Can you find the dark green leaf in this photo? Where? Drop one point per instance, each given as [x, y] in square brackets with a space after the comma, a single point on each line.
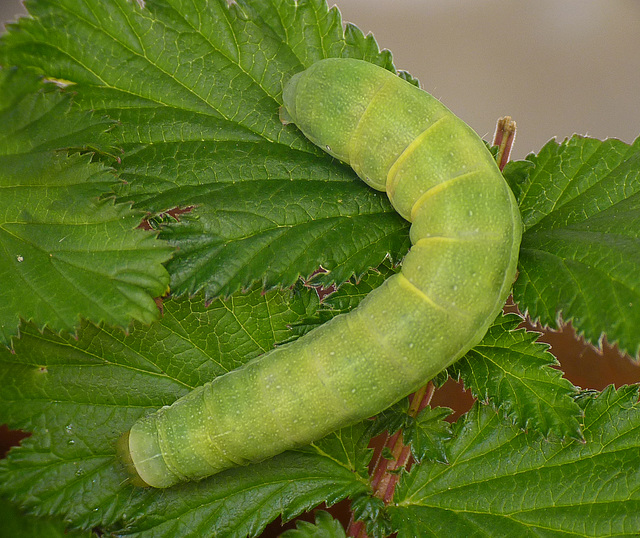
[580, 254]
[65, 252]
[346, 297]
[391, 419]
[325, 527]
[347, 446]
[18, 525]
[503, 482]
[196, 87]
[426, 433]
[515, 373]
[371, 510]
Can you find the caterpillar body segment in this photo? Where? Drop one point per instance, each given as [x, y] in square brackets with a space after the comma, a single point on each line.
[465, 234]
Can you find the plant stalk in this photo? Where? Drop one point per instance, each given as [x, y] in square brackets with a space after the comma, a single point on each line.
[386, 472]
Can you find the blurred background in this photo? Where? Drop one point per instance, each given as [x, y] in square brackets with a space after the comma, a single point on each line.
[558, 67]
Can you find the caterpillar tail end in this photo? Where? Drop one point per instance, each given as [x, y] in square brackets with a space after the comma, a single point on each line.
[124, 456]
[139, 450]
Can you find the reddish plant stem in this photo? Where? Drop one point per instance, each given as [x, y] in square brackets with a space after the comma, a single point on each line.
[401, 453]
[385, 475]
[356, 529]
[504, 138]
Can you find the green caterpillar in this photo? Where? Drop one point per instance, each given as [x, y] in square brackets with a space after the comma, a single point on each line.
[465, 232]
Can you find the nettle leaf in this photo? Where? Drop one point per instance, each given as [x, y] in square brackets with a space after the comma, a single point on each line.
[196, 87]
[348, 446]
[580, 204]
[515, 373]
[372, 511]
[348, 296]
[66, 252]
[345, 298]
[503, 482]
[17, 525]
[77, 396]
[325, 527]
[426, 433]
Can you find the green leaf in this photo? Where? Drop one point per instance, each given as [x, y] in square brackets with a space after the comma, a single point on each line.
[196, 87]
[348, 447]
[371, 510]
[516, 374]
[242, 501]
[426, 433]
[78, 395]
[580, 254]
[65, 251]
[345, 298]
[348, 296]
[18, 525]
[325, 527]
[503, 482]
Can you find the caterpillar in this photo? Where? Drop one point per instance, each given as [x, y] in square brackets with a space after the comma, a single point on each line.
[465, 236]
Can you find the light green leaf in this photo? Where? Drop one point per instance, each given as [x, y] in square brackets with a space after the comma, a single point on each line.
[580, 254]
[78, 396]
[325, 527]
[196, 87]
[515, 373]
[503, 482]
[65, 252]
